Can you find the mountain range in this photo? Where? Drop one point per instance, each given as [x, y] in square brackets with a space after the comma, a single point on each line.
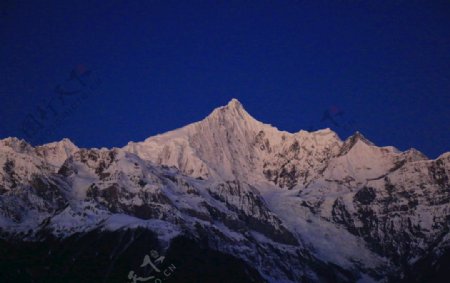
[225, 199]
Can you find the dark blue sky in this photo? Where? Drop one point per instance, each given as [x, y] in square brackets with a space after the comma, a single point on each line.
[162, 64]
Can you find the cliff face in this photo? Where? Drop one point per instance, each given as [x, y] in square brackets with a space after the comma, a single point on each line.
[286, 207]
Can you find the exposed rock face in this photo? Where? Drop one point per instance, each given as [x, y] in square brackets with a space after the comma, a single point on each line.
[302, 207]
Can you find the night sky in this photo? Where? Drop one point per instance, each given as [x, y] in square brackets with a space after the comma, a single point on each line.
[103, 73]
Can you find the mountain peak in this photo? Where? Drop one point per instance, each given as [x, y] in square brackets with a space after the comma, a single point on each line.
[233, 106]
[16, 144]
[357, 136]
[64, 145]
[353, 140]
[234, 103]
[232, 111]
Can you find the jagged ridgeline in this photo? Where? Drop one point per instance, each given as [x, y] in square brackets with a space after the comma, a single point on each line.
[226, 199]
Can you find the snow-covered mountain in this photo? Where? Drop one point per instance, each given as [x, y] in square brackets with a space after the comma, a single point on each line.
[278, 206]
